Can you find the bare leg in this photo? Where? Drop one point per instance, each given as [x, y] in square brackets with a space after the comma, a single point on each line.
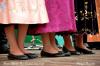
[53, 42]
[68, 44]
[21, 37]
[47, 47]
[10, 34]
[79, 41]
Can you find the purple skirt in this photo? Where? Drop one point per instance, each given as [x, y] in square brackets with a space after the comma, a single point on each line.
[61, 18]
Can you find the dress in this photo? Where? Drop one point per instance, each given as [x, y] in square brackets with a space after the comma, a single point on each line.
[61, 17]
[23, 12]
[86, 16]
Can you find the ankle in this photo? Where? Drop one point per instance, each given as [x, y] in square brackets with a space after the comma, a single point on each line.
[56, 48]
[50, 50]
[81, 46]
[25, 51]
[16, 52]
[70, 48]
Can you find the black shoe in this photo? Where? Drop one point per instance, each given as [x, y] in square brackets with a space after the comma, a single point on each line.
[46, 54]
[74, 52]
[84, 51]
[31, 55]
[70, 52]
[65, 54]
[17, 57]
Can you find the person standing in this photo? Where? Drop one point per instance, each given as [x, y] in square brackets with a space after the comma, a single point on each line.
[62, 19]
[22, 13]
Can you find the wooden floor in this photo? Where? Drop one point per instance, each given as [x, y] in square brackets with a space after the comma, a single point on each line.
[82, 60]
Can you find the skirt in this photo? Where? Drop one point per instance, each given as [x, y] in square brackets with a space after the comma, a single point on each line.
[23, 12]
[86, 16]
[61, 17]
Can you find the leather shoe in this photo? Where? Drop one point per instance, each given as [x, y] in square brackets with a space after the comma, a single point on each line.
[31, 55]
[17, 57]
[84, 51]
[70, 52]
[65, 54]
[47, 54]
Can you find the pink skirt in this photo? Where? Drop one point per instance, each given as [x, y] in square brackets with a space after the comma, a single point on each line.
[23, 12]
[61, 17]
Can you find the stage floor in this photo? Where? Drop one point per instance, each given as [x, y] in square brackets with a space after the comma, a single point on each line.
[81, 60]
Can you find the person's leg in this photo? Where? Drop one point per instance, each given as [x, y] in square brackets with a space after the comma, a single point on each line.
[10, 34]
[80, 45]
[22, 31]
[68, 43]
[79, 41]
[68, 46]
[47, 47]
[21, 37]
[53, 42]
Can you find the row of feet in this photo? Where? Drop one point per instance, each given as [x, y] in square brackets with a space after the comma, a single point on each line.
[63, 53]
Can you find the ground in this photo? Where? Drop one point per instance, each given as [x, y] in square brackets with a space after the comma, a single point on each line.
[81, 60]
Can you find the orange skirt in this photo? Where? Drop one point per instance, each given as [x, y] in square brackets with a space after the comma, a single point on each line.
[96, 38]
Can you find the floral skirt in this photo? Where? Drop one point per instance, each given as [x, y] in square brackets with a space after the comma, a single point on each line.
[86, 16]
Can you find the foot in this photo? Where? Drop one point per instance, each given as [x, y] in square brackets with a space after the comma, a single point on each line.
[29, 54]
[16, 52]
[17, 57]
[26, 51]
[84, 47]
[71, 52]
[70, 48]
[84, 50]
[58, 49]
[47, 54]
[50, 49]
